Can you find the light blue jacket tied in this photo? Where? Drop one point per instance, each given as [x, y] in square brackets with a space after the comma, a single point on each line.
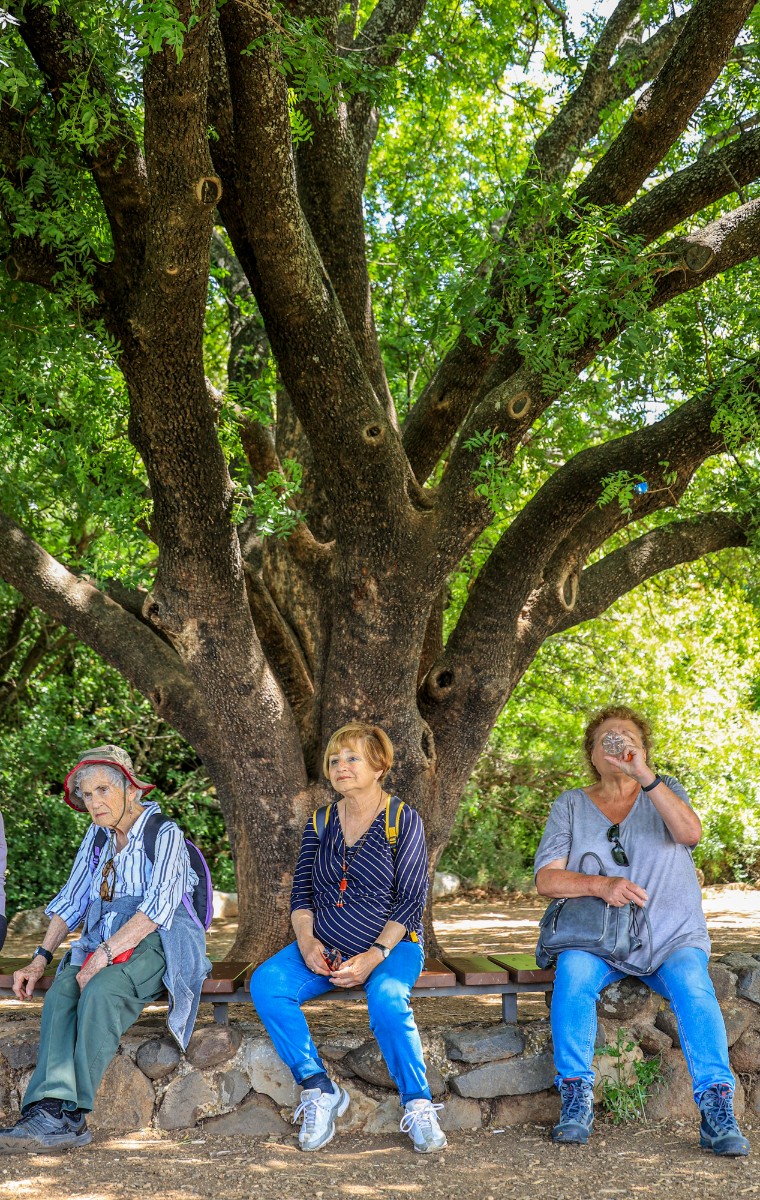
[184, 946]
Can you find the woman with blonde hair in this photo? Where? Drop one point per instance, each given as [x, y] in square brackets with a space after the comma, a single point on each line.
[358, 896]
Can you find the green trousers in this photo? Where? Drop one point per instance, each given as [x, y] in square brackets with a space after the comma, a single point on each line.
[81, 1029]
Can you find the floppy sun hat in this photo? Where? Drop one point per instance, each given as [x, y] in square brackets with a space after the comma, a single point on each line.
[102, 756]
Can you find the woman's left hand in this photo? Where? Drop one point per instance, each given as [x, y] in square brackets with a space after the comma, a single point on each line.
[354, 971]
[632, 761]
[95, 964]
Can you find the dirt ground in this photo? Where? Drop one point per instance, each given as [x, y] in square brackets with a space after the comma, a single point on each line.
[627, 1161]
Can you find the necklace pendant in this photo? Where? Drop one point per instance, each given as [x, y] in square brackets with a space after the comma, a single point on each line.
[343, 884]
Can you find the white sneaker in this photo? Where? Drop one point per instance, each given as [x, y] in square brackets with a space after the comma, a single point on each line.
[318, 1111]
[421, 1123]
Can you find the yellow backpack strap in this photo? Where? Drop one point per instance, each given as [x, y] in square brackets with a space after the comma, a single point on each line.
[392, 813]
[320, 818]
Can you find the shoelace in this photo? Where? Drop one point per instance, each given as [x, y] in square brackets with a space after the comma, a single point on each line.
[308, 1110]
[718, 1107]
[575, 1106]
[419, 1116]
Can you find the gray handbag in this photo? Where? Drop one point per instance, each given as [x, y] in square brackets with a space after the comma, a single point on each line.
[589, 923]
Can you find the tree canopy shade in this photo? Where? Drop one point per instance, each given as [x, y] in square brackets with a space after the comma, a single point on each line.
[393, 299]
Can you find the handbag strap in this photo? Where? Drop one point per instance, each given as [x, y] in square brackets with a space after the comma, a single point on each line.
[592, 854]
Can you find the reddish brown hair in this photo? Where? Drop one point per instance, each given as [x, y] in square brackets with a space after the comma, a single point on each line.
[615, 712]
[373, 741]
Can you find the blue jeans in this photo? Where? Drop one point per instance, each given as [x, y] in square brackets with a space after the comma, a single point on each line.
[281, 984]
[682, 979]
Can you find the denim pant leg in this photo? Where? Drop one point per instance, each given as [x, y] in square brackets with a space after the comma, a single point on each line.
[392, 1021]
[579, 979]
[278, 988]
[683, 980]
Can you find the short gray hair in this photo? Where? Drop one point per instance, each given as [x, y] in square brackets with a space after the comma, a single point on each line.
[113, 774]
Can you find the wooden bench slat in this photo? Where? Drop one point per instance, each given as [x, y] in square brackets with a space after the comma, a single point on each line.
[9, 965]
[523, 968]
[434, 975]
[226, 977]
[475, 969]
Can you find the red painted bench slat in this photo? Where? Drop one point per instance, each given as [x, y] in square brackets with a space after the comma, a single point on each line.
[475, 970]
[523, 968]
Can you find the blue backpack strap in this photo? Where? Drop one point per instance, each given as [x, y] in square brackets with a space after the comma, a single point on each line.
[199, 903]
[150, 833]
[319, 819]
[99, 843]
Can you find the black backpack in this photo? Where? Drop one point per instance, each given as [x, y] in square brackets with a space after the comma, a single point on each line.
[200, 903]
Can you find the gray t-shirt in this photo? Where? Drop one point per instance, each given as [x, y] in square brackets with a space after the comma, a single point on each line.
[658, 864]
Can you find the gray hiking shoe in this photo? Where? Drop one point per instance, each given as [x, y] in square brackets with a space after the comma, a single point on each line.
[421, 1123]
[42, 1129]
[577, 1116]
[318, 1111]
[718, 1130]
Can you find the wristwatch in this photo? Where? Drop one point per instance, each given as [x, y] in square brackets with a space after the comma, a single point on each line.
[651, 786]
[384, 950]
[46, 954]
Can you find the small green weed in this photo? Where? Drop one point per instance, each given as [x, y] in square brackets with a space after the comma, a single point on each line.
[624, 1098]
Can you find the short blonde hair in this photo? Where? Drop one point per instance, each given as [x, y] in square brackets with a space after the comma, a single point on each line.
[374, 742]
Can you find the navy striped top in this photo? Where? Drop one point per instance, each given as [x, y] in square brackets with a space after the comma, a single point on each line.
[376, 892]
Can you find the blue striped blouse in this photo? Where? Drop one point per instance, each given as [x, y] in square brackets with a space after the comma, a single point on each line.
[379, 889]
[161, 884]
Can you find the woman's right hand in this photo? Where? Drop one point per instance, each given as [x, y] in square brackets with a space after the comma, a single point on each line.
[26, 978]
[618, 891]
[313, 954]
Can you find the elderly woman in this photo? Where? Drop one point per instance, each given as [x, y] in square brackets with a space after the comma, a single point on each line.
[356, 910]
[138, 939]
[644, 826]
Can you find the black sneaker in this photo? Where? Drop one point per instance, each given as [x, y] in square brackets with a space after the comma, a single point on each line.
[577, 1116]
[45, 1127]
[719, 1131]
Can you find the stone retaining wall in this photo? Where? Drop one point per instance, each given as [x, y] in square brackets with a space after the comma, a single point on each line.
[487, 1075]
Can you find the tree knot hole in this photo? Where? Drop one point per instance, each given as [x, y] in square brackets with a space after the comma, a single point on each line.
[173, 270]
[568, 589]
[519, 405]
[208, 190]
[444, 680]
[373, 434]
[12, 267]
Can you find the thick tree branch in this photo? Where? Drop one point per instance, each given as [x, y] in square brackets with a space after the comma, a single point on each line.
[511, 408]
[98, 621]
[619, 572]
[280, 646]
[663, 112]
[727, 242]
[320, 366]
[691, 189]
[557, 147]
[330, 183]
